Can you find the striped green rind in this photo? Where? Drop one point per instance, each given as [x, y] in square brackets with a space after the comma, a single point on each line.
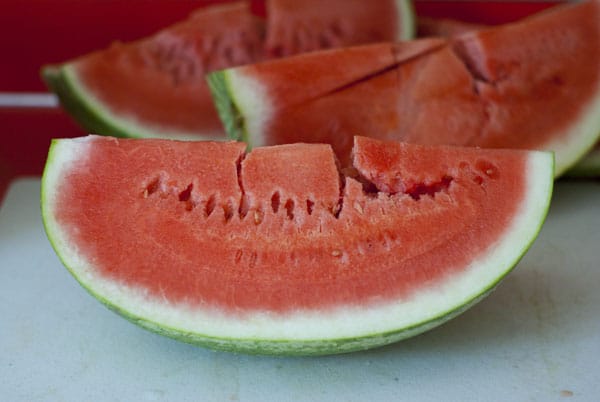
[407, 17]
[76, 105]
[228, 110]
[293, 347]
[96, 117]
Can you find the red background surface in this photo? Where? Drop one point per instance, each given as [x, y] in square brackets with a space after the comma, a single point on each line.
[37, 32]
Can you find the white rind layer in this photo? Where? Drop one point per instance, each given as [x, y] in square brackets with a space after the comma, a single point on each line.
[252, 99]
[342, 329]
[131, 125]
[579, 138]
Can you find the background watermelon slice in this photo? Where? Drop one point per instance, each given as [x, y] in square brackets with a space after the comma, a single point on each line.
[295, 27]
[588, 166]
[277, 251]
[155, 87]
[533, 84]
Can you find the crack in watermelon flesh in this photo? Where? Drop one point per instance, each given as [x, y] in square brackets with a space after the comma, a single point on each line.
[533, 84]
[208, 225]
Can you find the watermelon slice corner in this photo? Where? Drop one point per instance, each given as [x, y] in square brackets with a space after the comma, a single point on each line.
[276, 251]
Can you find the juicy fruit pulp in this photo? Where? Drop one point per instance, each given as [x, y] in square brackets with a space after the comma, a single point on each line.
[534, 84]
[155, 87]
[277, 250]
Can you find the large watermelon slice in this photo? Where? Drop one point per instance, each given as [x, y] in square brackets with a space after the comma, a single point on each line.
[278, 251]
[155, 87]
[534, 84]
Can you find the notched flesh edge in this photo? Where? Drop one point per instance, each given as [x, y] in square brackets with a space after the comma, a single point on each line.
[157, 187]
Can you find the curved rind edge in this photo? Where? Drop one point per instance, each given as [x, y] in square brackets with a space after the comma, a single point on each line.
[537, 205]
[94, 117]
[78, 109]
[407, 18]
[245, 105]
[580, 137]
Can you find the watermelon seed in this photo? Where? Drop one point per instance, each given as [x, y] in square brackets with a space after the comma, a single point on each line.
[488, 168]
[258, 216]
[309, 206]
[289, 207]
[336, 253]
[228, 211]
[210, 206]
[358, 208]
[275, 202]
[184, 196]
[238, 256]
[152, 187]
[253, 258]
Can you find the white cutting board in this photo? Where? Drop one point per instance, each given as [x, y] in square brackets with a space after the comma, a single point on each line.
[536, 338]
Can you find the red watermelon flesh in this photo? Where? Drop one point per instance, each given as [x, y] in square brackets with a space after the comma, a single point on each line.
[533, 84]
[157, 84]
[280, 244]
[589, 166]
[292, 27]
[155, 87]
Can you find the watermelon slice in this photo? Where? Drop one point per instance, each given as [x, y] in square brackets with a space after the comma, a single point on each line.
[534, 84]
[278, 251]
[155, 87]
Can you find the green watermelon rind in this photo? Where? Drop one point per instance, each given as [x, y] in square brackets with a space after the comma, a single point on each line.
[93, 116]
[244, 107]
[227, 109]
[242, 104]
[406, 12]
[536, 210]
[77, 106]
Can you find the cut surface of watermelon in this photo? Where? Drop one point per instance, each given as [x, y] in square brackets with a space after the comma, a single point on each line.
[295, 27]
[278, 251]
[533, 84]
[155, 87]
